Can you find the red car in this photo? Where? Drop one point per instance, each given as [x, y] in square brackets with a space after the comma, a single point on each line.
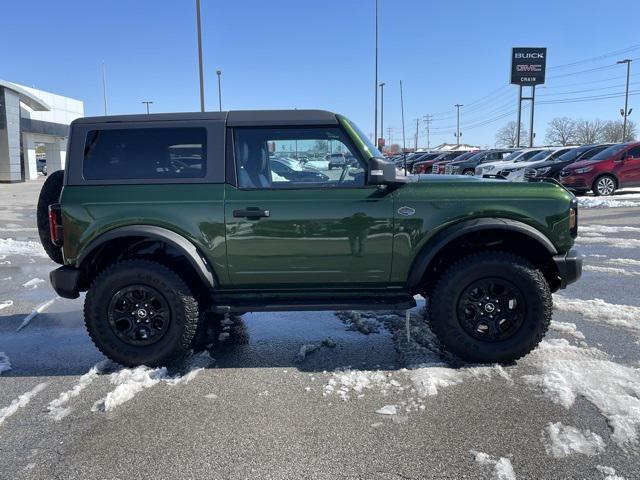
[438, 167]
[615, 167]
[425, 166]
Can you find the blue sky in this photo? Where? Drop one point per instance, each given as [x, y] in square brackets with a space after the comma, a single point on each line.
[319, 54]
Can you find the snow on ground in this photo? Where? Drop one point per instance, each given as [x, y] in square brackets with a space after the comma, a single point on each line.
[606, 229]
[9, 246]
[20, 402]
[356, 322]
[5, 365]
[609, 270]
[566, 328]
[609, 472]
[502, 468]
[33, 283]
[39, 309]
[604, 202]
[194, 366]
[568, 371]
[347, 382]
[308, 348]
[6, 303]
[598, 239]
[598, 310]
[128, 383]
[429, 378]
[57, 408]
[562, 440]
[388, 410]
[624, 261]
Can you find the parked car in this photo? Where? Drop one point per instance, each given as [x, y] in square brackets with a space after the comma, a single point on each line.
[41, 165]
[544, 169]
[491, 169]
[416, 157]
[337, 160]
[515, 171]
[293, 171]
[439, 166]
[467, 166]
[189, 246]
[615, 167]
[424, 164]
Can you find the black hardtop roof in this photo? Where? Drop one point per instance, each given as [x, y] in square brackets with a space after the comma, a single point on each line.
[233, 118]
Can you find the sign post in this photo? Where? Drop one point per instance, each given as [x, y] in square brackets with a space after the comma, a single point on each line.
[528, 68]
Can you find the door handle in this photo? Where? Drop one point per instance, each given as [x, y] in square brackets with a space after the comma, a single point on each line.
[252, 213]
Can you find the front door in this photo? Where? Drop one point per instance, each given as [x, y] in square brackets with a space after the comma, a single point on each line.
[304, 224]
[629, 168]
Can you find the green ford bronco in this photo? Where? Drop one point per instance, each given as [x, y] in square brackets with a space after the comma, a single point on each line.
[169, 221]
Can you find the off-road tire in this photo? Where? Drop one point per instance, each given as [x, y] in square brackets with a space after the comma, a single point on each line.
[184, 313]
[598, 190]
[443, 304]
[50, 193]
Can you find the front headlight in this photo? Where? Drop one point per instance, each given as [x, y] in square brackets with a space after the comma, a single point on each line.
[583, 170]
[542, 171]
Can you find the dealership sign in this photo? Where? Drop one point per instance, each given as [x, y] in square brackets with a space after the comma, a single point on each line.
[528, 65]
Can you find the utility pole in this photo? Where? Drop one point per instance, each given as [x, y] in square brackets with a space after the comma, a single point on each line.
[417, 133]
[427, 119]
[199, 28]
[219, 73]
[458, 105]
[147, 103]
[390, 135]
[533, 104]
[627, 111]
[404, 141]
[104, 88]
[375, 84]
[382, 108]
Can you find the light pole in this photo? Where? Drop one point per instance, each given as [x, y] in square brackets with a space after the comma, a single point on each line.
[458, 105]
[147, 103]
[427, 120]
[104, 87]
[626, 112]
[381, 109]
[375, 84]
[219, 73]
[199, 28]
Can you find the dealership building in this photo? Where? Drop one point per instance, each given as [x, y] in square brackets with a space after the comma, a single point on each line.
[30, 118]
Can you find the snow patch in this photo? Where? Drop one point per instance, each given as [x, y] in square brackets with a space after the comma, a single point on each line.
[5, 304]
[609, 241]
[347, 381]
[607, 229]
[428, 379]
[609, 472]
[20, 402]
[57, 409]
[567, 371]
[624, 261]
[195, 365]
[5, 365]
[598, 310]
[566, 328]
[388, 410]
[358, 322]
[33, 283]
[502, 468]
[9, 246]
[39, 309]
[308, 348]
[128, 383]
[561, 441]
[604, 202]
[609, 270]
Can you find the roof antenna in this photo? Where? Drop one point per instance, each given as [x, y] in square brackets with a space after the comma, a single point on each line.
[404, 143]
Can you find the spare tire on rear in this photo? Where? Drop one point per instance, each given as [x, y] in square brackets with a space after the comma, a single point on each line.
[49, 194]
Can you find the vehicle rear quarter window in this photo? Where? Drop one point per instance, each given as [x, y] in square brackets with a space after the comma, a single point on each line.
[145, 153]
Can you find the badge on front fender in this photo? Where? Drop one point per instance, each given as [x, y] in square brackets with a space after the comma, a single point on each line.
[406, 211]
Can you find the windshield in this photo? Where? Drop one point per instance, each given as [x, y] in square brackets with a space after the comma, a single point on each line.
[368, 143]
[572, 154]
[512, 156]
[533, 156]
[607, 152]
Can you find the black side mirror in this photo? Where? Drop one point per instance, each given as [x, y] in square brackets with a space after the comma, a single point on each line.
[381, 172]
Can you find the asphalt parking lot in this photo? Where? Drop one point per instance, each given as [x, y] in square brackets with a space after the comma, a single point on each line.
[324, 395]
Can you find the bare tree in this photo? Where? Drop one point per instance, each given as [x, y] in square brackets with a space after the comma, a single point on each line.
[561, 131]
[508, 135]
[588, 131]
[612, 131]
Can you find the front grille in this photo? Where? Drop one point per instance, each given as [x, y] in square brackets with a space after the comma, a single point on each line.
[448, 169]
[530, 173]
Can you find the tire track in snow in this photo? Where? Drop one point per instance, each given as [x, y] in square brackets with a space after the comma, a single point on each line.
[20, 402]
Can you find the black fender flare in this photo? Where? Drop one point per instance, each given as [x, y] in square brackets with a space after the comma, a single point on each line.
[435, 244]
[190, 251]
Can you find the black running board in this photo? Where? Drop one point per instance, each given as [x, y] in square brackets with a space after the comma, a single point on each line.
[400, 302]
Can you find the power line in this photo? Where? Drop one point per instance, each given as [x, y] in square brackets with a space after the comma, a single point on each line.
[596, 58]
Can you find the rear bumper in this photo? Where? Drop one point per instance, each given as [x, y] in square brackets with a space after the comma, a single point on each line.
[66, 281]
[569, 267]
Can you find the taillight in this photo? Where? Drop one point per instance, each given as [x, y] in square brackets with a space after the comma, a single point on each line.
[55, 224]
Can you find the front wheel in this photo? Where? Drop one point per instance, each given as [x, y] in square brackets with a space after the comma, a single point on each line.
[139, 312]
[469, 172]
[604, 185]
[490, 307]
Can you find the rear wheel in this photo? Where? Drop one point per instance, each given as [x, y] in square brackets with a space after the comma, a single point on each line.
[50, 193]
[468, 172]
[490, 307]
[139, 312]
[605, 185]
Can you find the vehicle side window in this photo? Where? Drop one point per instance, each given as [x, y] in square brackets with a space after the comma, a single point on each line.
[145, 153]
[634, 152]
[268, 158]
